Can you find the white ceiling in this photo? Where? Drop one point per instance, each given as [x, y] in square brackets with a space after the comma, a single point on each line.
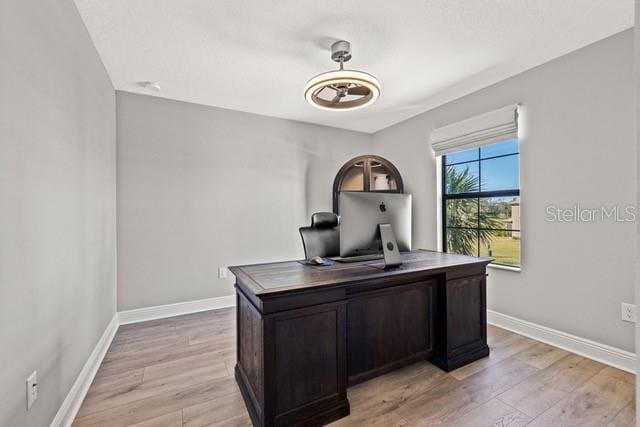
[256, 56]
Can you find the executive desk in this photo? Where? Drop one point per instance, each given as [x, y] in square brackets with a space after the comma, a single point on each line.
[306, 333]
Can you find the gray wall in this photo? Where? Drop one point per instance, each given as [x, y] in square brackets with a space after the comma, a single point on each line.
[57, 204]
[577, 147]
[202, 187]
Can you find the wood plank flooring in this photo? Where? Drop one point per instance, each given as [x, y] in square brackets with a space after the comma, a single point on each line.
[179, 372]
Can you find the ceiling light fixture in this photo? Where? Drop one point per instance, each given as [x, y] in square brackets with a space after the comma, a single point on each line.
[342, 89]
[149, 85]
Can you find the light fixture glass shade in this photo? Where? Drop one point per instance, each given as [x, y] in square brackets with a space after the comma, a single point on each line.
[342, 90]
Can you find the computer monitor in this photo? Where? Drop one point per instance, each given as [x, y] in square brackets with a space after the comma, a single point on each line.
[361, 215]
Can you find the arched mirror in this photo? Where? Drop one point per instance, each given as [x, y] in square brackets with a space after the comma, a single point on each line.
[366, 173]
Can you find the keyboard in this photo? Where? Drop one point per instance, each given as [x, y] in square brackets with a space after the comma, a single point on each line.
[359, 258]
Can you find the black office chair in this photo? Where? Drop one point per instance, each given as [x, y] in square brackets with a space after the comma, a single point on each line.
[322, 238]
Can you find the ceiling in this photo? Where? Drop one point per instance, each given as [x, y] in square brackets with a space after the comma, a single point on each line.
[256, 56]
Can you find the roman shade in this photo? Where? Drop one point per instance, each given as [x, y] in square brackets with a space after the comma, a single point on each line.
[487, 128]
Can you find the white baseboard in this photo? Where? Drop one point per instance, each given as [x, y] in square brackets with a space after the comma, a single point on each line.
[604, 353]
[72, 402]
[169, 310]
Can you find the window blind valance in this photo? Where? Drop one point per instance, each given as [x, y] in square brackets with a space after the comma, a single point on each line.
[487, 128]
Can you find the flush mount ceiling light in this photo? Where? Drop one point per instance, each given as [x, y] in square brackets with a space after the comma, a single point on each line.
[342, 89]
[149, 85]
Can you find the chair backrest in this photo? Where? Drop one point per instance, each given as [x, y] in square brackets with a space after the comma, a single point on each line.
[322, 238]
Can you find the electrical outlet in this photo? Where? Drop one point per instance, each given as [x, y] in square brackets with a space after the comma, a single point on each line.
[628, 312]
[32, 389]
[222, 273]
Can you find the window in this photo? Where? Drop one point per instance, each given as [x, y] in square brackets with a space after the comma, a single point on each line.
[481, 202]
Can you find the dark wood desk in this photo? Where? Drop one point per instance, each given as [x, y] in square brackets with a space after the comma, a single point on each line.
[306, 333]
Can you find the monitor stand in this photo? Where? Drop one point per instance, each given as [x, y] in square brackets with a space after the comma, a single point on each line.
[390, 252]
[389, 246]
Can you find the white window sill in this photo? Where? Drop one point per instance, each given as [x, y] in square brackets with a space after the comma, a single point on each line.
[504, 267]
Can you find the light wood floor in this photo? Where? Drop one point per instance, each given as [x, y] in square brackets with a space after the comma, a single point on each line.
[179, 371]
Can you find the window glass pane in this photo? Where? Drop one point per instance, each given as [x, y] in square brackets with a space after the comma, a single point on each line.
[462, 241]
[462, 178]
[462, 213]
[500, 212]
[502, 173]
[499, 149]
[461, 156]
[503, 247]
[486, 226]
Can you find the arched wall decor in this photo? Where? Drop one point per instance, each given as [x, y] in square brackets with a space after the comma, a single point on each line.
[366, 173]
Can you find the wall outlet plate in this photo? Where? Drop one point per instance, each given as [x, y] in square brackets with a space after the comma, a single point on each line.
[222, 273]
[32, 389]
[628, 312]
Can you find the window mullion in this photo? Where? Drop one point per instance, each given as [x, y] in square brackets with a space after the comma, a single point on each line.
[483, 195]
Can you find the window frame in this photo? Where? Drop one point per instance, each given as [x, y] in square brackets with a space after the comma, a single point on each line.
[477, 195]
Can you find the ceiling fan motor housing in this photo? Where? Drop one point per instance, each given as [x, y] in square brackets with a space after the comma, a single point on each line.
[341, 51]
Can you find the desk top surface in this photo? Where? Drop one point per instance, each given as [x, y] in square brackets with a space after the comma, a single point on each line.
[279, 277]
